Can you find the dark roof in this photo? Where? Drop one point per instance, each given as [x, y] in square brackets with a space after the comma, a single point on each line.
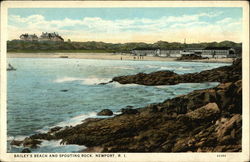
[217, 48]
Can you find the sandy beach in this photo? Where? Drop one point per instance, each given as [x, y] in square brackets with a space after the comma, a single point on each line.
[107, 56]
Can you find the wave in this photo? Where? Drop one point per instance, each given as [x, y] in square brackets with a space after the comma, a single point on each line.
[169, 67]
[85, 81]
[162, 86]
[118, 85]
[124, 67]
[152, 66]
[54, 143]
[175, 68]
[71, 122]
[74, 121]
[184, 68]
[67, 79]
[166, 68]
[56, 146]
[19, 138]
[95, 81]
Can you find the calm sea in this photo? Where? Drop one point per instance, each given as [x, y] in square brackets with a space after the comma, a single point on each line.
[43, 93]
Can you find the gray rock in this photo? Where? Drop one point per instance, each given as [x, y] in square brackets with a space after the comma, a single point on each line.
[105, 112]
[129, 111]
[26, 150]
[16, 142]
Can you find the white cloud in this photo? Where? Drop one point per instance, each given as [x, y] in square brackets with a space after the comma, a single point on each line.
[172, 28]
[225, 21]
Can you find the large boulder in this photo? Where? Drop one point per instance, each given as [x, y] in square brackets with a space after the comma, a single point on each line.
[26, 150]
[105, 112]
[155, 78]
[45, 136]
[32, 143]
[227, 129]
[229, 96]
[54, 129]
[91, 120]
[16, 142]
[207, 112]
[129, 111]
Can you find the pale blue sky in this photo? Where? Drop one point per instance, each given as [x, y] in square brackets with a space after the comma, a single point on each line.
[124, 13]
[129, 24]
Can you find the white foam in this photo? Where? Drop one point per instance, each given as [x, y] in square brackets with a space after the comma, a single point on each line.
[76, 120]
[85, 81]
[124, 67]
[19, 138]
[152, 66]
[94, 81]
[71, 122]
[166, 68]
[162, 86]
[56, 146]
[53, 143]
[67, 79]
[183, 68]
[118, 85]
[44, 129]
[175, 68]
[117, 113]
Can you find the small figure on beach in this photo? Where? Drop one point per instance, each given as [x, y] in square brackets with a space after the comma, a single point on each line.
[121, 58]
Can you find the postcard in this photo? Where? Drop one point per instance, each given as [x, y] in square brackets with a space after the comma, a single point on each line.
[124, 81]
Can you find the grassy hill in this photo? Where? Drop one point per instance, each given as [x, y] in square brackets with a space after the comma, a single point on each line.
[101, 47]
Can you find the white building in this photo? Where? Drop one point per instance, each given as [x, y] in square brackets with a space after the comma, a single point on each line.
[51, 37]
[145, 52]
[28, 37]
[208, 52]
[170, 53]
[44, 37]
[211, 52]
[218, 52]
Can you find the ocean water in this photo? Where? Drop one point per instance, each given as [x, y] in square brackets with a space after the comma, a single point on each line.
[43, 93]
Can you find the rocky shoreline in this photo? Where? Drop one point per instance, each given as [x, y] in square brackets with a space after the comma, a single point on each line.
[208, 120]
[221, 74]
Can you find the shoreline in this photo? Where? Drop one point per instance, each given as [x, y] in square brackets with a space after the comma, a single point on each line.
[206, 120]
[111, 56]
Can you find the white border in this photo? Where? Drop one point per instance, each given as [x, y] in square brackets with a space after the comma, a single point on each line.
[243, 156]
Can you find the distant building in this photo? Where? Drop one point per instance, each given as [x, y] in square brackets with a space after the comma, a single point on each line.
[218, 52]
[196, 51]
[44, 37]
[156, 52]
[170, 53]
[51, 37]
[29, 37]
[211, 52]
[145, 52]
[208, 52]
